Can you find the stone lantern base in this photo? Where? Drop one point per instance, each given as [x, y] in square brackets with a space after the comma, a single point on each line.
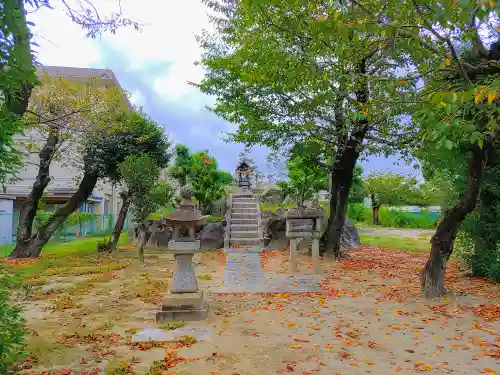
[184, 301]
[182, 307]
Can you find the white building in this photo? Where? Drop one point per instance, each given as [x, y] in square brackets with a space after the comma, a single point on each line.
[104, 199]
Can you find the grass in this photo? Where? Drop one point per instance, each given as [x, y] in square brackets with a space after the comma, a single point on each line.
[172, 325]
[417, 245]
[43, 351]
[77, 257]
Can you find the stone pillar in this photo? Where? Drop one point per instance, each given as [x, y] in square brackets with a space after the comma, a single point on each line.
[315, 255]
[315, 245]
[293, 255]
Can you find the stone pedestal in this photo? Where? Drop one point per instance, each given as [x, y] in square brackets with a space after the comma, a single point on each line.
[182, 307]
[184, 278]
[184, 301]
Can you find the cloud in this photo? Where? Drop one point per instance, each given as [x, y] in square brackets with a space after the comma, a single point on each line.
[154, 66]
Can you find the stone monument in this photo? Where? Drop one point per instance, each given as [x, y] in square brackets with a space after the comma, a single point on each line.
[300, 224]
[184, 301]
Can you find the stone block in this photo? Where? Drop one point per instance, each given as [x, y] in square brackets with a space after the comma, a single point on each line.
[181, 315]
[179, 246]
[183, 301]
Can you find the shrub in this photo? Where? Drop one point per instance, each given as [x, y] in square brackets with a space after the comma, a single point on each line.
[358, 212]
[390, 217]
[11, 325]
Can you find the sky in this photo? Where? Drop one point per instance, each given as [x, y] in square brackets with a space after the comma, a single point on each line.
[154, 65]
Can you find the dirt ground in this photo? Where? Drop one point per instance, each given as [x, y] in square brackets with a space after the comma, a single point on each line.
[370, 320]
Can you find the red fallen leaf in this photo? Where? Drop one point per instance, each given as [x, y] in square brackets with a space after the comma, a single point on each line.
[302, 340]
[410, 350]
[83, 361]
[290, 367]
[345, 355]
[135, 360]
[372, 344]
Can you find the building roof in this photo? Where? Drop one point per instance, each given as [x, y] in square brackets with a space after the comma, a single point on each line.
[80, 74]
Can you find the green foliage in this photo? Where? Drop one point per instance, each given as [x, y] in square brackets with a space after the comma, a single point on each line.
[11, 325]
[304, 179]
[392, 217]
[357, 193]
[136, 134]
[17, 73]
[207, 181]
[182, 164]
[358, 212]
[478, 242]
[140, 175]
[389, 188]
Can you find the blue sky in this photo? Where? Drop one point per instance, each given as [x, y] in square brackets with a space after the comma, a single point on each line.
[154, 66]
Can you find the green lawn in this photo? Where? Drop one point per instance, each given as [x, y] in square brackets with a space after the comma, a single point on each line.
[75, 257]
[395, 242]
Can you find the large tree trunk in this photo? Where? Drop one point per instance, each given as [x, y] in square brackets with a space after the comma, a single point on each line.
[343, 170]
[120, 221]
[43, 235]
[30, 205]
[340, 183]
[432, 275]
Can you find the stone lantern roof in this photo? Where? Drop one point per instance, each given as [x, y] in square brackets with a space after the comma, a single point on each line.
[186, 213]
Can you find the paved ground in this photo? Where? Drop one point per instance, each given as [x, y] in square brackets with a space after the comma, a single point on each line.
[410, 233]
[368, 318]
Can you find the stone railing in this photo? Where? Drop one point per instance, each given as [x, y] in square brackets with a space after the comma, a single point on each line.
[227, 234]
[260, 231]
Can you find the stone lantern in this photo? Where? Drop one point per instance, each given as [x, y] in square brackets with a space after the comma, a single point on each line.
[301, 224]
[184, 301]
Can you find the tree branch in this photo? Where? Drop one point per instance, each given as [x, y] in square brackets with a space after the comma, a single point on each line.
[446, 40]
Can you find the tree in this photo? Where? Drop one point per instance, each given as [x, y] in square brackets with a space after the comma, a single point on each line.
[102, 154]
[207, 181]
[58, 117]
[140, 176]
[389, 188]
[17, 62]
[182, 164]
[304, 179]
[161, 156]
[357, 193]
[457, 109]
[319, 80]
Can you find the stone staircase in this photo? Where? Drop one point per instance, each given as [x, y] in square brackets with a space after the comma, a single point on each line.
[244, 220]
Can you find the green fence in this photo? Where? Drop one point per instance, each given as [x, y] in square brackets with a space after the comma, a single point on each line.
[76, 226]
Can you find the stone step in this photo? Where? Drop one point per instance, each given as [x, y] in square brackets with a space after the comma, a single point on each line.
[244, 195]
[244, 227]
[244, 234]
[244, 241]
[237, 215]
[243, 211]
[244, 221]
[252, 205]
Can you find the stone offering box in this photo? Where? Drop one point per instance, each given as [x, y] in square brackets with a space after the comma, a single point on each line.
[301, 224]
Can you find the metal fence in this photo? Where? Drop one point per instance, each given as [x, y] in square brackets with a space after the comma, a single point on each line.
[96, 225]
